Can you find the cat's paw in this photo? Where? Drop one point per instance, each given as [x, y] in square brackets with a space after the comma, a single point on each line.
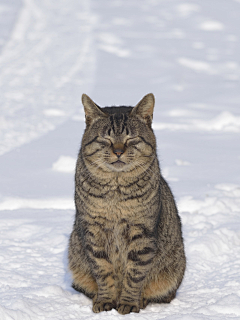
[100, 306]
[126, 308]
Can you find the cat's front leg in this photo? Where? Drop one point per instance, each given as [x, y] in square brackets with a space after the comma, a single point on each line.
[102, 270]
[139, 262]
[106, 298]
[130, 296]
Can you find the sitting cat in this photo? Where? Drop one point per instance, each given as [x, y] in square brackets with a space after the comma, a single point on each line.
[126, 248]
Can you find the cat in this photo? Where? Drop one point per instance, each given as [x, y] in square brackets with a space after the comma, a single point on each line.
[126, 248]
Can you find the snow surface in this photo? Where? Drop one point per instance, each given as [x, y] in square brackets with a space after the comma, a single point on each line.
[188, 54]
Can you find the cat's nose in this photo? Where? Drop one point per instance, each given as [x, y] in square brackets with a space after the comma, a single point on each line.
[118, 150]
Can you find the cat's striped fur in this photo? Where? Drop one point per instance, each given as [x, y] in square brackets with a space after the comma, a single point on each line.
[126, 247]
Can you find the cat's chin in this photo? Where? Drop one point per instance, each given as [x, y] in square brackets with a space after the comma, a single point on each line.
[118, 165]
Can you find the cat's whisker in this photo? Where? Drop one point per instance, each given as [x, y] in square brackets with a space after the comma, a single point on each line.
[86, 172]
[145, 169]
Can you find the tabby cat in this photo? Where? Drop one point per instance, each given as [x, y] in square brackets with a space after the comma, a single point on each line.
[126, 248]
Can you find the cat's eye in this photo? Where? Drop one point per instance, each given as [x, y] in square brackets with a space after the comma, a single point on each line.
[127, 131]
[109, 132]
[104, 142]
[132, 141]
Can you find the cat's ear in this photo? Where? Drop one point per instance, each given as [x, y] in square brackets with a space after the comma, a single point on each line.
[92, 110]
[144, 108]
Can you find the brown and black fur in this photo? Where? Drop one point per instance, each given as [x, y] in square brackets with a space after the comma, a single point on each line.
[126, 248]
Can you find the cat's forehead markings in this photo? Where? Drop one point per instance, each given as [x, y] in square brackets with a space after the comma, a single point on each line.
[118, 122]
[118, 117]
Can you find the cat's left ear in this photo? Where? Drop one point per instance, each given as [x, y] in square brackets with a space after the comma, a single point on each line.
[144, 108]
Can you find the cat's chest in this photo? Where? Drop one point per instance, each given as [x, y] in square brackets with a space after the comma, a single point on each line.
[117, 210]
[116, 243]
[115, 200]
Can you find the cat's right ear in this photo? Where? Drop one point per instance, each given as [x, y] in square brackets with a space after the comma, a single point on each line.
[92, 110]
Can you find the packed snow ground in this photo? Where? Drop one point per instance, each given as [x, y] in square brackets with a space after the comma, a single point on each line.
[188, 54]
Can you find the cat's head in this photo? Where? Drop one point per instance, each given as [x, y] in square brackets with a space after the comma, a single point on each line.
[119, 139]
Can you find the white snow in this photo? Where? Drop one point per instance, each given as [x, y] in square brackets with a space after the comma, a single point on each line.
[19, 203]
[211, 26]
[53, 113]
[187, 53]
[225, 121]
[199, 66]
[180, 162]
[65, 164]
[186, 9]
